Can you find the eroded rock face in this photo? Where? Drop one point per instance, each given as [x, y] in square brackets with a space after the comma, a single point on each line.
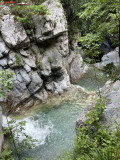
[13, 33]
[39, 68]
[50, 26]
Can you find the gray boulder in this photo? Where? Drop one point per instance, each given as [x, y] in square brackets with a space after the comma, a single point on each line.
[6, 10]
[25, 77]
[36, 83]
[105, 47]
[13, 33]
[3, 62]
[111, 113]
[75, 68]
[3, 48]
[45, 68]
[62, 85]
[112, 109]
[41, 95]
[30, 61]
[20, 91]
[111, 57]
[27, 68]
[49, 26]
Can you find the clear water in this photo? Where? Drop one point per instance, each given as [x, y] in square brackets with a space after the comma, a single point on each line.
[53, 125]
[91, 82]
[54, 128]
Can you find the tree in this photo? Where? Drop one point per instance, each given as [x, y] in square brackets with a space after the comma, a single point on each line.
[104, 23]
[75, 24]
[14, 130]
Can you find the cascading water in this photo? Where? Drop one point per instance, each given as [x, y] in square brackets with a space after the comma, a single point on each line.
[53, 124]
[53, 128]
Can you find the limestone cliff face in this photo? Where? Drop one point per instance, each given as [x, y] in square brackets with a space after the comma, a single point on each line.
[42, 63]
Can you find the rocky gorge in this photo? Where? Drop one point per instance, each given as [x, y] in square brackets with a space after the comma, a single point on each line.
[44, 64]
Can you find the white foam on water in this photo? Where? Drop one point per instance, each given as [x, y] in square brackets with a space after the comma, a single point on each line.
[4, 123]
[34, 129]
[40, 133]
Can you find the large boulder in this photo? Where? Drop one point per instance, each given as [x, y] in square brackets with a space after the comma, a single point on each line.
[13, 33]
[111, 57]
[50, 26]
[3, 62]
[76, 68]
[105, 47]
[111, 113]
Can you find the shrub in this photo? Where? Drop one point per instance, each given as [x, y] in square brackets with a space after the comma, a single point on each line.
[24, 14]
[50, 60]
[19, 62]
[39, 64]
[112, 71]
[93, 141]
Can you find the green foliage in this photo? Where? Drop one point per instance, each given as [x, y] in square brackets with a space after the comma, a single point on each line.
[15, 131]
[6, 82]
[75, 25]
[6, 155]
[37, 2]
[39, 64]
[103, 18]
[28, 31]
[112, 71]
[59, 6]
[93, 141]
[28, 158]
[42, 51]
[50, 60]
[24, 14]
[63, 62]
[18, 60]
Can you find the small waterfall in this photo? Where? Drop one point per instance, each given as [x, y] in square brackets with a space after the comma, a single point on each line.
[34, 128]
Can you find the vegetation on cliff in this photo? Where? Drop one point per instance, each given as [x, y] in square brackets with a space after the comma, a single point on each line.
[94, 141]
[96, 21]
[14, 130]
